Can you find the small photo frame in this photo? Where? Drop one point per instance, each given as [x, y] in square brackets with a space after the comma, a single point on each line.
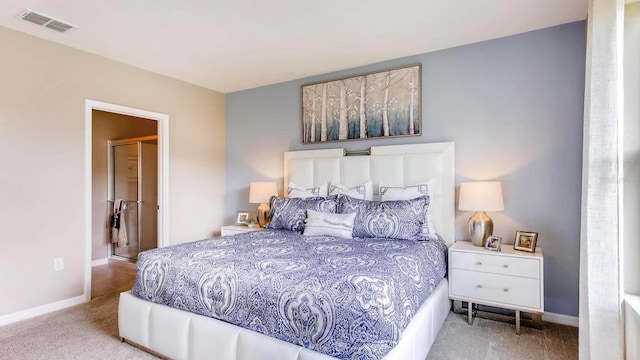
[242, 217]
[525, 241]
[493, 243]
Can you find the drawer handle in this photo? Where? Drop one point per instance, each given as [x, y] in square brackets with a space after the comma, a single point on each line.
[480, 287]
[479, 263]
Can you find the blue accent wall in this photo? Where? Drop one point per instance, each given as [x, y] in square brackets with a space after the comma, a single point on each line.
[514, 108]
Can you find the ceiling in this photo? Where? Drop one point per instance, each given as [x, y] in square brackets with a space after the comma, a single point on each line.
[231, 45]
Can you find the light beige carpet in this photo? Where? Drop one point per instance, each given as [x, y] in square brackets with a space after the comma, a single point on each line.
[90, 331]
[87, 331]
[495, 340]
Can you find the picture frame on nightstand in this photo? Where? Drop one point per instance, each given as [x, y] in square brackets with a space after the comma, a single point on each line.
[525, 241]
[242, 217]
[493, 243]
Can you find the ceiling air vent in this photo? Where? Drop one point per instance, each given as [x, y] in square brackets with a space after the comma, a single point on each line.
[58, 26]
[46, 21]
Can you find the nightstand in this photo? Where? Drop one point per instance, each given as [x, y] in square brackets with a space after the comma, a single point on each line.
[508, 279]
[237, 229]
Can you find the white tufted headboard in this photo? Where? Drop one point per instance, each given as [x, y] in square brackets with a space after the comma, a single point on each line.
[399, 165]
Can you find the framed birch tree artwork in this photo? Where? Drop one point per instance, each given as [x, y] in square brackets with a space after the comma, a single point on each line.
[376, 105]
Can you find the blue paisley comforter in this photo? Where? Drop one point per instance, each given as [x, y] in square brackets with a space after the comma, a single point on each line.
[347, 298]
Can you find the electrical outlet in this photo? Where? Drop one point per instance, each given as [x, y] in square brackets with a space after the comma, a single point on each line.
[58, 264]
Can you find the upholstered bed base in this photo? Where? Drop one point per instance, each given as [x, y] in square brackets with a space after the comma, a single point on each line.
[178, 334]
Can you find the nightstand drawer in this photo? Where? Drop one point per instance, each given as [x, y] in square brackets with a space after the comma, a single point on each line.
[508, 290]
[496, 264]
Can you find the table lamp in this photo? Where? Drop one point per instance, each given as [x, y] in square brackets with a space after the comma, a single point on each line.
[480, 197]
[260, 193]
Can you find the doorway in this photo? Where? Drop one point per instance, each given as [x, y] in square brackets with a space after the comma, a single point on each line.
[134, 144]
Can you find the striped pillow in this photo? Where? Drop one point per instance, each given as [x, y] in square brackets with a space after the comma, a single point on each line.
[326, 224]
[363, 191]
[294, 191]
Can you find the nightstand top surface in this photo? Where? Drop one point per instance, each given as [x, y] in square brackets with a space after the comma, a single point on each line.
[242, 227]
[507, 250]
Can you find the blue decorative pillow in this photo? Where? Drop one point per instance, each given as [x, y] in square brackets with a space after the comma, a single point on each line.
[400, 219]
[388, 192]
[290, 213]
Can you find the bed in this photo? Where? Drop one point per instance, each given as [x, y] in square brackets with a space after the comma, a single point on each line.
[176, 333]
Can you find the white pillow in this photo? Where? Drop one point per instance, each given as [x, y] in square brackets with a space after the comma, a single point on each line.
[321, 223]
[294, 191]
[389, 192]
[363, 191]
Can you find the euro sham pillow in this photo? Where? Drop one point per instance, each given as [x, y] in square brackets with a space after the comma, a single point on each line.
[401, 219]
[295, 191]
[290, 213]
[390, 193]
[363, 191]
[327, 224]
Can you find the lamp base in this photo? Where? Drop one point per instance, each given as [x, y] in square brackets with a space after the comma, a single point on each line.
[263, 214]
[480, 228]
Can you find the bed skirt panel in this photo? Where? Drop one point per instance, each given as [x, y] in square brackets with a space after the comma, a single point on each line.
[178, 334]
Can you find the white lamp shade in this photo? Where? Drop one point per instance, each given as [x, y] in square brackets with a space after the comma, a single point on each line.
[261, 192]
[481, 196]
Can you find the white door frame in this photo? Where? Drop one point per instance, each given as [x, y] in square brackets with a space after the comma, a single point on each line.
[163, 175]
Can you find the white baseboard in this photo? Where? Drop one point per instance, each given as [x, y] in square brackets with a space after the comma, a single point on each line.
[560, 319]
[41, 310]
[100, 262]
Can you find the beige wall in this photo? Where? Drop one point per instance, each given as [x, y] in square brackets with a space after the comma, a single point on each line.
[108, 126]
[43, 89]
[631, 202]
